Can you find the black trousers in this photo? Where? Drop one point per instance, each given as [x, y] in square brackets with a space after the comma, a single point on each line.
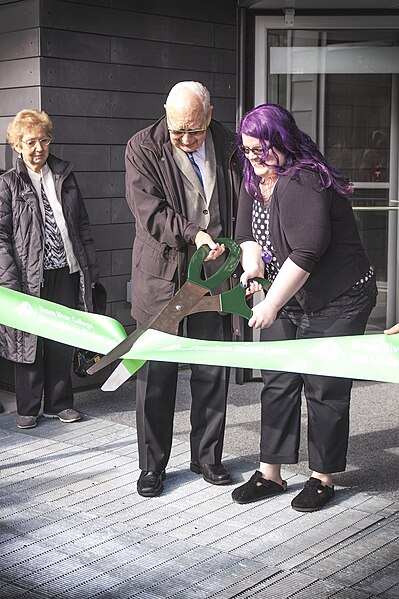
[156, 397]
[328, 398]
[50, 374]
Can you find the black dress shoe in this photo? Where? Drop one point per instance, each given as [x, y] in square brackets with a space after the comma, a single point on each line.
[216, 474]
[150, 483]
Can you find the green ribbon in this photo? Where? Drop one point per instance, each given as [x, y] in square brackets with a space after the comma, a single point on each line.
[368, 357]
[89, 331]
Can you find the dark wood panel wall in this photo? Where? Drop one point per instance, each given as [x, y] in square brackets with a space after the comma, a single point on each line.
[102, 70]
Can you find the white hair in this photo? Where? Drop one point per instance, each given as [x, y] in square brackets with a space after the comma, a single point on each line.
[195, 87]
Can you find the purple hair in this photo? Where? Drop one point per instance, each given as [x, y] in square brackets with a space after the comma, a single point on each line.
[275, 125]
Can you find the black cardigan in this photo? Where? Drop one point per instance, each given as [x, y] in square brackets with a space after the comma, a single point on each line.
[316, 230]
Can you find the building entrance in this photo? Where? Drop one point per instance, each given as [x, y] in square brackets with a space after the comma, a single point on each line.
[340, 80]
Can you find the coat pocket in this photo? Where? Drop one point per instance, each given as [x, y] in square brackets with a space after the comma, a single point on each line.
[159, 262]
[153, 279]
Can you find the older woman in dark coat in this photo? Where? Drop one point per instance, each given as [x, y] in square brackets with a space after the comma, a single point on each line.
[47, 251]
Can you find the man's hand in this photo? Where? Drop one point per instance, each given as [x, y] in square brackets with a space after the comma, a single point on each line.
[392, 330]
[217, 249]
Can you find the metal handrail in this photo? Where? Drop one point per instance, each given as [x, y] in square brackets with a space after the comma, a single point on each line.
[370, 208]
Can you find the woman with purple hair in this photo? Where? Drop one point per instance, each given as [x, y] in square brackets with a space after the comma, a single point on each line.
[295, 226]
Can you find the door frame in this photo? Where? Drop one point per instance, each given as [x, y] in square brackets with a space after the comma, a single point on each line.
[263, 23]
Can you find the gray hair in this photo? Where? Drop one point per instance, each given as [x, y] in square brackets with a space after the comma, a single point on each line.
[194, 86]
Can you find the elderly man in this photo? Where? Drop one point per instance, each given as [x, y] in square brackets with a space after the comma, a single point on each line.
[182, 181]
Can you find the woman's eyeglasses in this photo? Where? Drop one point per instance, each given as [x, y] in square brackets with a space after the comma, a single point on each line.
[45, 141]
[257, 151]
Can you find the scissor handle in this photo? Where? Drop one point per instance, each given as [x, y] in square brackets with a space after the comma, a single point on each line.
[234, 302]
[224, 272]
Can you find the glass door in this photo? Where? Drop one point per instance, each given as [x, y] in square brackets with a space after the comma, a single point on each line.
[341, 86]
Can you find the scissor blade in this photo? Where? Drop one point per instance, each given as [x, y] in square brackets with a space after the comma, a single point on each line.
[117, 352]
[167, 321]
[180, 306]
[121, 374]
[209, 303]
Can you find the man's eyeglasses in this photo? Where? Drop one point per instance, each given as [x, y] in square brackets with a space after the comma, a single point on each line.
[257, 151]
[45, 141]
[181, 132]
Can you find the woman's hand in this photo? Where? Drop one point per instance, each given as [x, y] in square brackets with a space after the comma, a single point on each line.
[263, 315]
[392, 330]
[217, 249]
[252, 286]
[288, 281]
[252, 265]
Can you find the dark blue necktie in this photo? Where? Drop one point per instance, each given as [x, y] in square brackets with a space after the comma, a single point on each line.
[195, 167]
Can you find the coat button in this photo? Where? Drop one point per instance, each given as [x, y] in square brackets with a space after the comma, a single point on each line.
[205, 212]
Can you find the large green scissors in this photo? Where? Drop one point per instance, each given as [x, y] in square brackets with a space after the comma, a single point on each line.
[191, 298]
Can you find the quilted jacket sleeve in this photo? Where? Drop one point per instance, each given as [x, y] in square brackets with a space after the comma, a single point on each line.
[9, 275]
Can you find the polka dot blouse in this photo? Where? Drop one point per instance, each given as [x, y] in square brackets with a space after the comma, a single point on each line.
[261, 233]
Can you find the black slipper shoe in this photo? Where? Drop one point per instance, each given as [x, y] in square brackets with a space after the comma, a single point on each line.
[313, 496]
[257, 488]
